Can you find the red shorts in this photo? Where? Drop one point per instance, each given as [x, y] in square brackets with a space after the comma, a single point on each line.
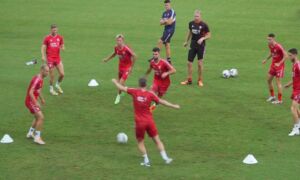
[53, 63]
[279, 73]
[160, 88]
[141, 128]
[32, 107]
[123, 74]
[296, 96]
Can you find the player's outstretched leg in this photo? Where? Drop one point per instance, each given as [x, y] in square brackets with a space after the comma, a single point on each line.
[142, 149]
[294, 111]
[51, 80]
[39, 124]
[61, 72]
[271, 89]
[161, 148]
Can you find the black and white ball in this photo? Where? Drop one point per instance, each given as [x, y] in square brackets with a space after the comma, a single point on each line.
[226, 74]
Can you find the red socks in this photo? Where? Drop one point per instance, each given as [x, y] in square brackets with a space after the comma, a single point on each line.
[272, 92]
[279, 97]
[279, 94]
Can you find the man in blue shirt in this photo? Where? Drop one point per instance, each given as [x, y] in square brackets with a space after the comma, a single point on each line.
[169, 21]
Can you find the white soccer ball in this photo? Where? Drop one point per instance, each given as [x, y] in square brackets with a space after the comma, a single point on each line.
[122, 138]
[233, 72]
[226, 74]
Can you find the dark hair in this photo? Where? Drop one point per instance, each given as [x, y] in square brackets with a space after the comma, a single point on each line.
[167, 1]
[272, 35]
[293, 51]
[142, 82]
[156, 49]
[53, 26]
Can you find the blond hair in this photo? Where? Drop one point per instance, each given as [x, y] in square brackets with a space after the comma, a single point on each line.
[119, 36]
[197, 11]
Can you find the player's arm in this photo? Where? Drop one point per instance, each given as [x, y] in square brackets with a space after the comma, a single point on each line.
[62, 47]
[133, 59]
[169, 21]
[207, 36]
[171, 71]
[265, 60]
[148, 72]
[43, 51]
[288, 84]
[168, 104]
[109, 57]
[119, 86]
[162, 21]
[42, 98]
[188, 38]
[285, 56]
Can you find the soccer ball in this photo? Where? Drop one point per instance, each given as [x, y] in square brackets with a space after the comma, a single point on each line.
[122, 138]
[226, 74]
[233, 72]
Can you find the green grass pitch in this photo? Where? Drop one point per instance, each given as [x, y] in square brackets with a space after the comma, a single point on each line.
[217, 126]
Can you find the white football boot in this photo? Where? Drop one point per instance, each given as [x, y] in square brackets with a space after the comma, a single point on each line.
[59, 89]
[145, 164]
[295, 131]
[30, 135]
[271, 99]
[277, 102]
[39, 140]
[118, 98]
[53, 92]
[168, 161]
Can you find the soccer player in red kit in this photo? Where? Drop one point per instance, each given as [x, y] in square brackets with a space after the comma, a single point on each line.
[127, 59]
[31, 102]
[293, 53]
[162, 71]
[278, 56]
[51, 47]
[144, 122]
